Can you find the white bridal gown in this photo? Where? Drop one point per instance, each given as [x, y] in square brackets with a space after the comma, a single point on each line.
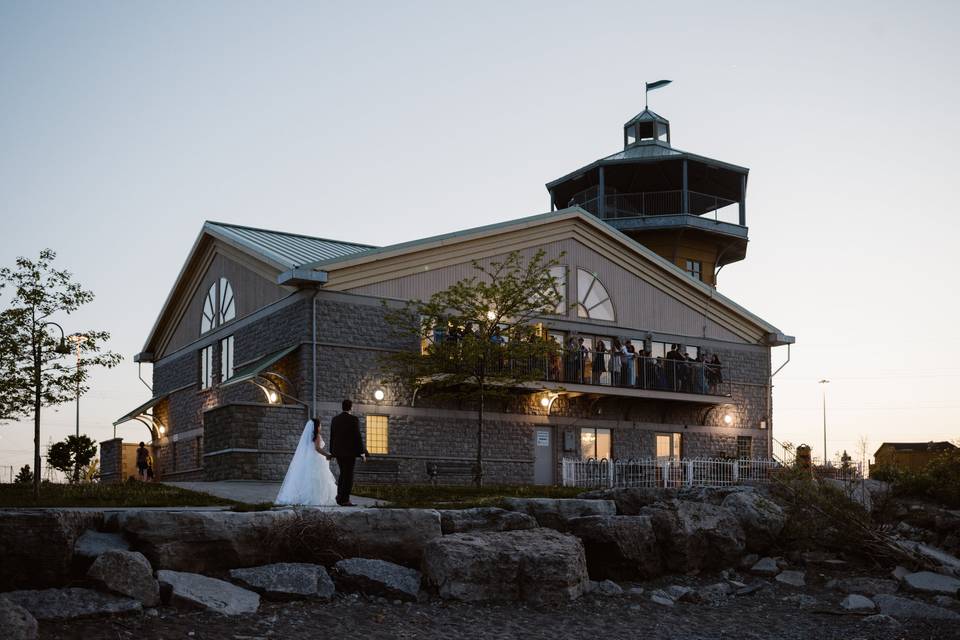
[309, 480]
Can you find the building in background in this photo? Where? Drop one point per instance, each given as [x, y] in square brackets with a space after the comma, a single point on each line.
[258, 319]
[908, 455]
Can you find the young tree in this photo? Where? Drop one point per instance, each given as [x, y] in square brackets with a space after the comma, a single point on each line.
[71, 454]
[24, 476]
[478, 338]
[33, 371]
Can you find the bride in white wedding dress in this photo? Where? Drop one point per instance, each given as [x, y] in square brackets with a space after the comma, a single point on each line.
[309, 480]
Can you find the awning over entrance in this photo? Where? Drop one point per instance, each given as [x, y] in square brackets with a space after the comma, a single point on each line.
[258, 367]
[141, 410]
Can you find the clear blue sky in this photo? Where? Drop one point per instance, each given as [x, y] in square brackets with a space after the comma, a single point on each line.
[124, 125]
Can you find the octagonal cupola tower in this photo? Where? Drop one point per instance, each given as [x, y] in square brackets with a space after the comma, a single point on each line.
[688, 208]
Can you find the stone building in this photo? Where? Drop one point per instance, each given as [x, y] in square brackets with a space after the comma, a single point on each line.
[262, 326]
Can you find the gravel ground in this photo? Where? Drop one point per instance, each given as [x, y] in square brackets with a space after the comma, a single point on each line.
[773, 612]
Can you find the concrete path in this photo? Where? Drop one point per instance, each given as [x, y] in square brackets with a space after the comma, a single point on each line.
[252, 491]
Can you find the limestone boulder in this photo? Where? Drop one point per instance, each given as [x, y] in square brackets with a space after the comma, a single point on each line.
[539, 566]
[202, 592]
[934, 583]
[70, 603]
[36, 547]
[92, 543]
[378, 578]
[694, 535]
[127, 573]
[211, 541]
[792, 578]
[712, 495]
[484, 519]
[286, 581]
[762, 519]
[898, 607]
[857, 602]
[864, 584]
[556, 513]
[17, 623]
[629, 500]
[618, 547]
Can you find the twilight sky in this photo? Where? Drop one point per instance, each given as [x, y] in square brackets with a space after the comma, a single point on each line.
[125, 125]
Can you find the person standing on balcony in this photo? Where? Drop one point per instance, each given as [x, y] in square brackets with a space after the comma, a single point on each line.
[584, 360]
[616, 362]
[631, 363]
[599, 361]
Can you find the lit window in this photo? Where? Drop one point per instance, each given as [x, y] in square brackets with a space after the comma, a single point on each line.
[668, 446]
[206, 367]
[219, 306]
[695, 269]
[377, 434]
[595, 443]
[744, 447]
[592, 299]
[226, 358]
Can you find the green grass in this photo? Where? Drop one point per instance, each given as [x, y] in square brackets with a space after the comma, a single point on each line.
[127, 494]
[458, 497]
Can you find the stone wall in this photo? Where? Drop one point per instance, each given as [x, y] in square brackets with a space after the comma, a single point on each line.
[250, 441]
[111, 460]
[352, 338]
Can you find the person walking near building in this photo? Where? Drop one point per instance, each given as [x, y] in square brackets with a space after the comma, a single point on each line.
[143, 461]
[346, 445]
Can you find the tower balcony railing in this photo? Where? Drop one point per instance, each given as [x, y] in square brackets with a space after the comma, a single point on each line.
[658, 203]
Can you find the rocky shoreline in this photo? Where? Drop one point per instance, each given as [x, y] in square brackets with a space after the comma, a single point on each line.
[642, 557]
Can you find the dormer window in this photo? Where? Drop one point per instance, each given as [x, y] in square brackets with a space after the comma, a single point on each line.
[219, 306]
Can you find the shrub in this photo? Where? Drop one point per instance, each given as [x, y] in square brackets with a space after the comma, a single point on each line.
[938, 481]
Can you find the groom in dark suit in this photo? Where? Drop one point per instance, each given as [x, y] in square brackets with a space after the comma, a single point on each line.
[346, 446]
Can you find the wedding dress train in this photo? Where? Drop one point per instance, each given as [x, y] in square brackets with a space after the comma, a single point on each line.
[309, 480]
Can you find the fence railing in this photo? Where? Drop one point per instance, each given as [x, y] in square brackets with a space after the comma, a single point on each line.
[606, 369]
[689, 472]
[655, 203]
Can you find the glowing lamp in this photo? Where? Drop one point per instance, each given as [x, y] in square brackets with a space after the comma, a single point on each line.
[727, 419]
[379, 395]
[544, 402]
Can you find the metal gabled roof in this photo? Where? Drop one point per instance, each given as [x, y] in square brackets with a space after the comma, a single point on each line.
[647, 151]
[287, 250]
[646, 116]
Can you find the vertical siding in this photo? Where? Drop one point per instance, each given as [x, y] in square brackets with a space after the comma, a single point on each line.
[637, 303]
[251, 292]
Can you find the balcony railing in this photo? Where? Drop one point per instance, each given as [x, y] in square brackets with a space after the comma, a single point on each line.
[625, 371]
[653, 203]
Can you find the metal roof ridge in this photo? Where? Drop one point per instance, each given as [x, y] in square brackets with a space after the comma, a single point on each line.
[286, 233]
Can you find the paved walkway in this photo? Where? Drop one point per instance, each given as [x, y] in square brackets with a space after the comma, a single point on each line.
[251, 491]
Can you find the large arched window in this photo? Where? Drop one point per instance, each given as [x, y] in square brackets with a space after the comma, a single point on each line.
[593, 302]
[219, 306]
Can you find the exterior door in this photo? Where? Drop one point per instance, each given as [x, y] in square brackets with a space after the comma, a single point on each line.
[543, 452]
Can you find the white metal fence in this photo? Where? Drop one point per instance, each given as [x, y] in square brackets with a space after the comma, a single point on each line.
[693, 472]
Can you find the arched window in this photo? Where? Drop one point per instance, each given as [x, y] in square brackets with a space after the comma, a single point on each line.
[219, 306]
[593, 302]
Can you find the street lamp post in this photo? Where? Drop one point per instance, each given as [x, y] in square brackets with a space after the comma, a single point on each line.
[37, 345]
[823, 384]
[78, 339]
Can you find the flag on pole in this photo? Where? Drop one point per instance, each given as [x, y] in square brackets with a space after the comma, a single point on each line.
[650, 86]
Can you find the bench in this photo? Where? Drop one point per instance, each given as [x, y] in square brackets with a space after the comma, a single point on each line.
[379, 467]
[437, 469]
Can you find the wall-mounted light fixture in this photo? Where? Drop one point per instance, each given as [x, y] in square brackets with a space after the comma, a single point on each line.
[379, 395]
[727, 419]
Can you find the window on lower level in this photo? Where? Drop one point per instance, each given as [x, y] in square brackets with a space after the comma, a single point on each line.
[695, 269]
[206, 367]
[668, 446]
[378, 428]
[595, 443]
[744, 447]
